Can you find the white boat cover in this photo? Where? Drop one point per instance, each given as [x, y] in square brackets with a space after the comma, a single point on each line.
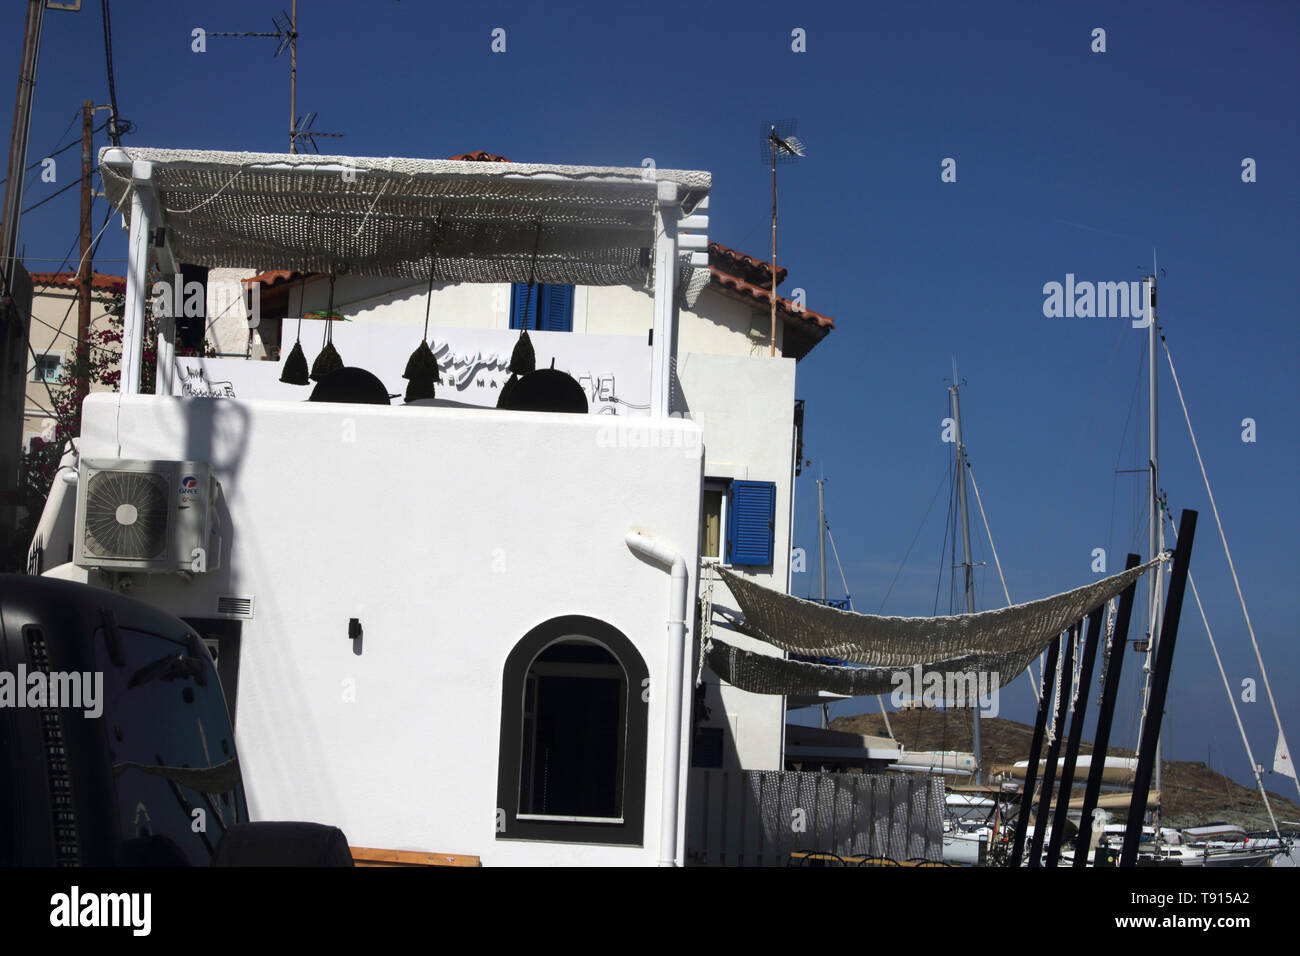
[999, 642]
[383, 216]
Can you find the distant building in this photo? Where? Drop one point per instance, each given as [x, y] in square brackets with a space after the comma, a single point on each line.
[53, 339]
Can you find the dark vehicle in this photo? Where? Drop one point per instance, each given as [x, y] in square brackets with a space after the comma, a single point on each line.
[116, 746]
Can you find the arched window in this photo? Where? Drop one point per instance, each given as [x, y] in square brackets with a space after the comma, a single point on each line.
[573, 736]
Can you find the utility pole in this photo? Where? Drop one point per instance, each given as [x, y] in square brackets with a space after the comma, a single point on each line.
[15, 306]
[22, 128]
[87, 195]
[966, 561]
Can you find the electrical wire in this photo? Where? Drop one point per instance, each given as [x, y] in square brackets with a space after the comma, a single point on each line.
[915, 538]
[58, 192]
[57, 152]
[116, 125]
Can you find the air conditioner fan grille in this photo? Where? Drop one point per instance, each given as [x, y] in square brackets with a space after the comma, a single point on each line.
[126, 515]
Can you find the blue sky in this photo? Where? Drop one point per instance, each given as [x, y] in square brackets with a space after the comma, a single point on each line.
[1067, 161]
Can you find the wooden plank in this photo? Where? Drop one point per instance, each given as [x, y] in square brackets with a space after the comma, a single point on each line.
[370, 856]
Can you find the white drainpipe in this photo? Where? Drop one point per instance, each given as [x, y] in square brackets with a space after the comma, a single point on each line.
[660, 554]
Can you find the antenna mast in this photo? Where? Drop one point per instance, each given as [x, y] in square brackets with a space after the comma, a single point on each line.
[778, 143]
[286, 35]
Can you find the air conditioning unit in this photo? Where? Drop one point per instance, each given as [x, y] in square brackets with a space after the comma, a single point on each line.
[154, 516]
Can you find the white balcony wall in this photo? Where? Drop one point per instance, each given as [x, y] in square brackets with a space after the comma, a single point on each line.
[449, 533]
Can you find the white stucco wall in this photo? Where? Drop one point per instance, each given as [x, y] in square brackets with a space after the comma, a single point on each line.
[742, 399]
[746, 409]
[227, 311]
[450, 533]
[718, 324]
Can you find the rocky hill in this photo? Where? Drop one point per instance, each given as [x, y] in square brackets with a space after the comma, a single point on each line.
[1193, 793]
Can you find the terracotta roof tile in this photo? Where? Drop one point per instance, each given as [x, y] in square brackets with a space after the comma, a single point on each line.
[277, 277]
[68, 280]
[481, 157]
[784, 307]
[752, 270]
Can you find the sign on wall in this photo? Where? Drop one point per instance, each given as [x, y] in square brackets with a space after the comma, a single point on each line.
[613, 370]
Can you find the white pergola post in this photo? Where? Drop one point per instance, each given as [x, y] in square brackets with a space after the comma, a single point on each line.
[137, 272]
[663, 353]
[164, 361]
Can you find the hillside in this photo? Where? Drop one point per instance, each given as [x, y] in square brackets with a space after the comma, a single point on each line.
[1193, 793]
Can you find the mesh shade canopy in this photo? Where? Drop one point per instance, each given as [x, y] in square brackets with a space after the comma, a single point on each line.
[764, 674]
[983, 641]
[589, 225]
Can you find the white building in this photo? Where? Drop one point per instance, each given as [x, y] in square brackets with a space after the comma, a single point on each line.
[453, 627]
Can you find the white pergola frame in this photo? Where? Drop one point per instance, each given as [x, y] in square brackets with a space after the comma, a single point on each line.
[137, 181]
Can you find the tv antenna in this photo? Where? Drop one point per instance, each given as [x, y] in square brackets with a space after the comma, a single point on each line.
[286, 37]
[777, 144]
[302, 131]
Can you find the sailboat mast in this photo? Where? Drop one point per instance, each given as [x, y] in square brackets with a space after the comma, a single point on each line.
[965, 547]
[1155, 588]
[821, 561]
[821, 533]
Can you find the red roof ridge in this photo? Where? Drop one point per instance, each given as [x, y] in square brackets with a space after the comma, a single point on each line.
[787, 309]
[68, 280]
[750, 268]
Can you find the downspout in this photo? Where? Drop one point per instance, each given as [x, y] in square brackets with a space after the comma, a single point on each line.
[657, 553]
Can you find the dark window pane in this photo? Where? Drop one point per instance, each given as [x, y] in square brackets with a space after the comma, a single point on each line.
[172, 751]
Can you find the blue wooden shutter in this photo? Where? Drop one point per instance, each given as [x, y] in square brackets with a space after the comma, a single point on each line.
[556, 308]
[523, 311]
[751, 522]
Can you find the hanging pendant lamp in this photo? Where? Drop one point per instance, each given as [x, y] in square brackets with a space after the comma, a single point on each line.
[295, 366]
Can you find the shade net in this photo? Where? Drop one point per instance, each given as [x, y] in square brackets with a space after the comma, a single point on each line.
[462, 221]
[764, 674]
[1010, 633]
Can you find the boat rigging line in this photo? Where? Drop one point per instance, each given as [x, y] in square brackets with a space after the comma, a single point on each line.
[1224, 539]
[1232, 698]
[902, 564]
[998, 564]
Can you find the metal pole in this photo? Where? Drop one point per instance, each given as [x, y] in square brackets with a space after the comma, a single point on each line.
[18, 142]
[1053, 751]
[821, 557]
[1087, 657]
[821, 533]
[1035, 746]
[1148, 749]
[966, 561]
[1155, 588]
[772, 146]
[293, 78]
[1105, 713]
[16, 302]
